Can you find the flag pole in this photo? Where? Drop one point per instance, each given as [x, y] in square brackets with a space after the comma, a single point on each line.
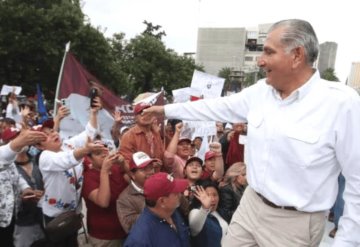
[67, 48]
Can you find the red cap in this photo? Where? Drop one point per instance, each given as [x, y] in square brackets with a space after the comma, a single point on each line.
[140, 107]
[209, 155]
[162, 184]
[48, 124]
[9, 133]
[184, 139]
[140, 160]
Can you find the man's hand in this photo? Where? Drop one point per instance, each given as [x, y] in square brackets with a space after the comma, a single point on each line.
[27, 137]
[156, 109]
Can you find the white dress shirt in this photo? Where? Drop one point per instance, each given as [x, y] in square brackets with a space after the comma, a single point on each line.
[296, 146]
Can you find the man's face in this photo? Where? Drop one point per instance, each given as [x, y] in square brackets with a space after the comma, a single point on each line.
[144, 119]
[140, 175]
[276, 62]
[219, 127]
[210, 164]
[184, 149]
[172, 201]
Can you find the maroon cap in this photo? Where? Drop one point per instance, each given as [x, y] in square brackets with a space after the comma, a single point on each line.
[194, 158]
[48, 124]
[140, 107]
[9, 133]
[163, 184]
[140, 160]
[209, 155]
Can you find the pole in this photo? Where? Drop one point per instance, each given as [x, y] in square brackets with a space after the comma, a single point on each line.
[67, 48]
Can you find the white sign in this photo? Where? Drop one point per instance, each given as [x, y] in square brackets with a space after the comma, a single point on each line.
[210, 86]
[183, 94]
[6, 89]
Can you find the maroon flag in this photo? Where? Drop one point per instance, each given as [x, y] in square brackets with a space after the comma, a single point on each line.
[73, 88]
[76, 79]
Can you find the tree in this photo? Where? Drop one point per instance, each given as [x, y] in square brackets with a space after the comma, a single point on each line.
[225, 73]
[329, 74]
[150, 66]
[33, 34]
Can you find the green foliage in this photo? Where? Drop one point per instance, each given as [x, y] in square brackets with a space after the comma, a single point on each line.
[253, 77]
[32, 38]
[225, 73]
[33, 34]
[329, 74]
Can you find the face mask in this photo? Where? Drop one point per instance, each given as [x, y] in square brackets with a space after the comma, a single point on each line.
[33, 151]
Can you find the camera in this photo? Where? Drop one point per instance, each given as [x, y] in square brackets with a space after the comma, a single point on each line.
[93, 94]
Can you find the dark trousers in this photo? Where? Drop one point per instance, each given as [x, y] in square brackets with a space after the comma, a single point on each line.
[6, 234]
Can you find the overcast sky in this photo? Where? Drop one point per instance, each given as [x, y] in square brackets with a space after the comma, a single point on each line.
[336, 21]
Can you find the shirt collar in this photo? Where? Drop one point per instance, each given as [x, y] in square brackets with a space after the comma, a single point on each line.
[137, 188]
[300, 92]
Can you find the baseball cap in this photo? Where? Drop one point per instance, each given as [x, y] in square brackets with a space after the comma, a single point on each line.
[49, 123]
[123, 129]
[209, 155]
[184, 139]
[194, 158]
[9, 133]
[140, 107]
[163, 184]
[140, 160]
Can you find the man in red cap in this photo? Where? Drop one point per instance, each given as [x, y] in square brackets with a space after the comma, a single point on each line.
[214, 163]
[131, 201]
[160, 224]
[142, 137]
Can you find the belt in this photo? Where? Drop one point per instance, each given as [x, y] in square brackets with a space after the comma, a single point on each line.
[273, 205]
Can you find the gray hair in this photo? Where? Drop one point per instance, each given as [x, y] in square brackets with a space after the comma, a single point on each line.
[299, 33]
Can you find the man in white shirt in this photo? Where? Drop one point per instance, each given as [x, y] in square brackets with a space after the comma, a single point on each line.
[302, 131]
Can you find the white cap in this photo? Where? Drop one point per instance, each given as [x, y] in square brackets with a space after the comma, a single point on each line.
[123, 129]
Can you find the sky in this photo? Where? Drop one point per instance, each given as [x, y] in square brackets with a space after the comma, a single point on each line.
[333, 20]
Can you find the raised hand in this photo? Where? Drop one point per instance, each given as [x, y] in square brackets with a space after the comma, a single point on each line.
[203, 197]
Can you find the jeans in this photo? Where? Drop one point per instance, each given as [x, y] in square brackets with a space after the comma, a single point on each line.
[339, 203]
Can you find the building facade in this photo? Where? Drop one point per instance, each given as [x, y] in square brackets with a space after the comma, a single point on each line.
[354, 77]
[327, 56]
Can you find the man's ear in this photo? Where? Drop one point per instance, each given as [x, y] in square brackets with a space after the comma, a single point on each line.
[298, 56]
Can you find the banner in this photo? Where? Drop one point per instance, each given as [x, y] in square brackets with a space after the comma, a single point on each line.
[74, 85]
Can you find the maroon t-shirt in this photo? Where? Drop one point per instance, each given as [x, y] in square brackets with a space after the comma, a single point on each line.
[103, 223]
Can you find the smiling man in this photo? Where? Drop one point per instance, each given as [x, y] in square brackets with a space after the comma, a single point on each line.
[302, 131]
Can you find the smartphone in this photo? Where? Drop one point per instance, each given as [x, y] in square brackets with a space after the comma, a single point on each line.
[93, 94]
[62, 101]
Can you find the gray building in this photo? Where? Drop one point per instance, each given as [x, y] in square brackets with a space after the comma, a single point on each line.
[236, 48]
[327, 56]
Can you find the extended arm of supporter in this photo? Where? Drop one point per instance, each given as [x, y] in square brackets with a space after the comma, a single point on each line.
[219, 162]
[197, 217]
[347, 153]
[172, 149]
[62, 112]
